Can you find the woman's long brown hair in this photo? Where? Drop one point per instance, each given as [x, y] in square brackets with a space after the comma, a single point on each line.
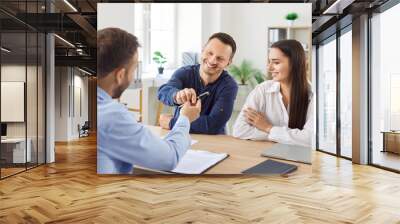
[300, 89]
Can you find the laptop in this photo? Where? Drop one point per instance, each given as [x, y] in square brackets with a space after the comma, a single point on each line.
[289, 152]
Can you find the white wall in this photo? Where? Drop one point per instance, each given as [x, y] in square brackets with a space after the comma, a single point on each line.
[67, 115]
[80, 83]
[248, 24]
[12, 73]
[61, 104]
[188, 30]
[119, 15]
[210, 20]
[33, 126]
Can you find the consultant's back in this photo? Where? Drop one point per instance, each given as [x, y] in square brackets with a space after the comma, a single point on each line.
[110, 114]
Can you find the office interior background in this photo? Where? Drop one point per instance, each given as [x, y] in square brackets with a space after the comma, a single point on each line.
[48, 82]
[357, 84]
[55, 63]
[179, 31]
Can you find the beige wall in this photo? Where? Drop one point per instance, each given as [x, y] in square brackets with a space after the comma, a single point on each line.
[34, 125]
[17, 73]
[71, 102]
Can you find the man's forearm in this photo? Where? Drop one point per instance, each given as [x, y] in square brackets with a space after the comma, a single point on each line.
[166, 95]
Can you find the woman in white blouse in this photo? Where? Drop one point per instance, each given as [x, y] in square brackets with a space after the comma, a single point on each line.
[280, 109]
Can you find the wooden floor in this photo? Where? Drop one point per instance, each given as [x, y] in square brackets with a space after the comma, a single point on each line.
[387, 159]
[70, 191]
[10, 171]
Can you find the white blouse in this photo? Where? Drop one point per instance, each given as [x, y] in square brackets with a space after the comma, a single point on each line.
[267, 98]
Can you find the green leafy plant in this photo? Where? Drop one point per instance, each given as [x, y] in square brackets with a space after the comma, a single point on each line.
[159, 58]
[244, 73]
[259, 77]
[292, 16]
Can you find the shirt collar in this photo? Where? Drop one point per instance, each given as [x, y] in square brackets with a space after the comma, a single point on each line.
[103, 95]
[213, 83]
[275, 87]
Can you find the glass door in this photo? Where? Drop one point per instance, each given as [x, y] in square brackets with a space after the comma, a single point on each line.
[326, 124]
[385, 89]
[346, 72]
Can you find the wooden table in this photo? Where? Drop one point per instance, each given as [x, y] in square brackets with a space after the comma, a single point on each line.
[243, 154]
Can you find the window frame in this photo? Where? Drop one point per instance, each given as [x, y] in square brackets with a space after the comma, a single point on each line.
[147, 62]
[334, 36]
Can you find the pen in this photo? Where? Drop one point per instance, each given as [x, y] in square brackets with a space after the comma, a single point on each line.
[199, 97]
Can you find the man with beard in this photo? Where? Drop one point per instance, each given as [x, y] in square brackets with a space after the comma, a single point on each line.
[209, 76]
[121, 141]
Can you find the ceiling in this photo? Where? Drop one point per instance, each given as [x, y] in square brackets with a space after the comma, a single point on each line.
[76, 24]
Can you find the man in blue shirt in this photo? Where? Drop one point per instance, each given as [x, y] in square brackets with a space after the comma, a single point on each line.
[209, 76]
[121, 141]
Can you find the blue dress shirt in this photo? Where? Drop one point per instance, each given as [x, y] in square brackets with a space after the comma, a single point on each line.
[216, 109]
[122, 142]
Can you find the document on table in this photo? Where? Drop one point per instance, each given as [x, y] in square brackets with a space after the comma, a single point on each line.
[198, 161]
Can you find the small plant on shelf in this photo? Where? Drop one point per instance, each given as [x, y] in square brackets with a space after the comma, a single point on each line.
[291, 17]
[160, 60]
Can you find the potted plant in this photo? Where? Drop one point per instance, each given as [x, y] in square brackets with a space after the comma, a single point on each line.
[247, 77]
[159, 59]
[291, 17]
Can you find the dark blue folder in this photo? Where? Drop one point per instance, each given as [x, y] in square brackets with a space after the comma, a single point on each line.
[271, 167]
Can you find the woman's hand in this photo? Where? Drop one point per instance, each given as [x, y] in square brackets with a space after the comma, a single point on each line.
[257, 119]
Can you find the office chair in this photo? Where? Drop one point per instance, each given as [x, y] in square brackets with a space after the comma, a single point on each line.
[84, 130]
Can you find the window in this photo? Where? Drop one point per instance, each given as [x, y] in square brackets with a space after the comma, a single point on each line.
[394, 101]
[22, 66]
[327, 96]
[385, 88]
[346, 94]
[155, 26]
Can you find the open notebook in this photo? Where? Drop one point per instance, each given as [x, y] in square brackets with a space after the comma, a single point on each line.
[193, 162]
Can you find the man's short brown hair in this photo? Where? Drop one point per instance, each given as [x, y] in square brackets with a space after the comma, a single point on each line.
[226, 39]
[115, 49]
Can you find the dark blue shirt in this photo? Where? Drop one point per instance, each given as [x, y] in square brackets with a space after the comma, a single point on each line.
[216, 109]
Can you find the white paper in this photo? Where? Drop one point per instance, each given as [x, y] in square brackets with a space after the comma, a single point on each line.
[197, 161]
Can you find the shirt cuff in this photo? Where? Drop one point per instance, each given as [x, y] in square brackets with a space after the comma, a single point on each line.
[173, 98]
[182, 121]
[274, 133]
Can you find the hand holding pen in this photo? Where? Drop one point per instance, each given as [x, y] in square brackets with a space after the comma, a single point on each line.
[199, 97]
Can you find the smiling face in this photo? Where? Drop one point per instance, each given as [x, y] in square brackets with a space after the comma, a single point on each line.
[216, 56]
[279, 65]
